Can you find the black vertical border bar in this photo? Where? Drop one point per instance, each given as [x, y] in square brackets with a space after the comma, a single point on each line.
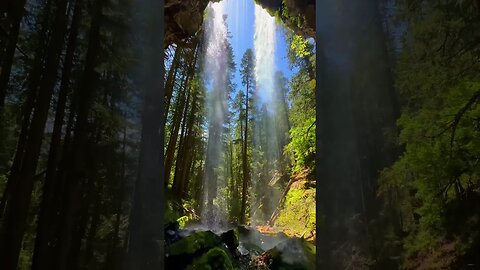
[318, 75]
[162, 130]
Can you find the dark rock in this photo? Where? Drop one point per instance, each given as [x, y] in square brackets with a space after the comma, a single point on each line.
[292, 254]
[172, 232]
[183, 19]
[230, 238]
[174, 226]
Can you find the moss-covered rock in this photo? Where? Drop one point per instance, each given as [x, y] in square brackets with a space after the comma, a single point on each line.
[183, 252]
[194, 243]
[298, 15]
[214, 259]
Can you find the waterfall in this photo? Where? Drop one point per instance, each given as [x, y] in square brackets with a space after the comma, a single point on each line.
[263, 194]
[265, 141]
[264, 45]
[215, 72]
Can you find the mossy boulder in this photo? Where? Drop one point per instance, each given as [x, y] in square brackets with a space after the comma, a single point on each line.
[183, 252]
[194, 243]
[214, 259]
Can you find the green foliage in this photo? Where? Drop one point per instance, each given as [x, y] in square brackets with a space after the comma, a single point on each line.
[172, 211]
[298, 214]
[302, 111]
[302, 145]
[435, 182]
[247, 68]
[299, 45]
[182, 221]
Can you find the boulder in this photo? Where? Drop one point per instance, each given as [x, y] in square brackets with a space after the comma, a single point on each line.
[214, 259]
[194, 243]
[230, 238]
[172, 232]
[292, 254]
[181, 253]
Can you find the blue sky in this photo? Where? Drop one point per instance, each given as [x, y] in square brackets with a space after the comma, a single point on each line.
[241, 24]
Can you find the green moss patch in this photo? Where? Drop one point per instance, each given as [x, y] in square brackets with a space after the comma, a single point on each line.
[298, 215]
[194, 243]
[214, 259]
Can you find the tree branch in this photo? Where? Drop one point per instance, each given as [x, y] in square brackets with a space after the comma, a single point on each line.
[458, 117]
[461, 113]
[5, 33]
[308, 130]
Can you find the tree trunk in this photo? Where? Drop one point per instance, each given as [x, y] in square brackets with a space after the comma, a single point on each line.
[169, 156]
[42, 256]
[181, 152]
[76, 168]
[232, 183]
[172, 142]
[275, 214]
[92, 232]
[16, 214]
[245, 163]
[187, 151]
[172, 74]
[81, 226]
[16, 18]
[27, 108]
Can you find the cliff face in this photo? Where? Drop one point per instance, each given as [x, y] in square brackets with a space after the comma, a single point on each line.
[298, 15]
[184, 18]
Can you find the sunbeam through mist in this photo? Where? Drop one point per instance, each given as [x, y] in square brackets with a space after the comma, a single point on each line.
[216, 74]
[264, 44]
